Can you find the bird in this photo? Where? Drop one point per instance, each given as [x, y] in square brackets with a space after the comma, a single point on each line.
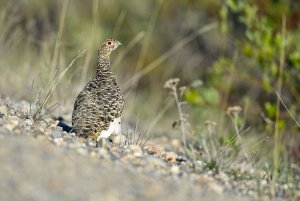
[99, 106]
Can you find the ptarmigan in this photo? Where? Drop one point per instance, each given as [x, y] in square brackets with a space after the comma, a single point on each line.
[98, 107]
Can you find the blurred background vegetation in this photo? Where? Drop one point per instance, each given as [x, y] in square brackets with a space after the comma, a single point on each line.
[226, 53]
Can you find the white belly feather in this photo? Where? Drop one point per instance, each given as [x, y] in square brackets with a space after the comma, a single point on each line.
[114, 127]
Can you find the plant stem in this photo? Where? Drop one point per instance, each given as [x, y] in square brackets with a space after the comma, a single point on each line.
[237, 132]
[276, 153]
[181, 117]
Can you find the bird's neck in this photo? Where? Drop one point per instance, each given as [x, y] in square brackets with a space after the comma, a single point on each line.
[103, 66]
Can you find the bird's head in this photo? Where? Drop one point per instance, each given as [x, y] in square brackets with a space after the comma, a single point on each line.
[107, 46]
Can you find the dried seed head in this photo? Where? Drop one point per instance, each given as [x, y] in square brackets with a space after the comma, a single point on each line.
[171, 83]
[234, 110]
[210, 123]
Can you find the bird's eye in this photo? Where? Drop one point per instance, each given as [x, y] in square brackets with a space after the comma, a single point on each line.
[109, 42]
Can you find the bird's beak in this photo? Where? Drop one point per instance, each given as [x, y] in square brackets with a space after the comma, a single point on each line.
[119, 43]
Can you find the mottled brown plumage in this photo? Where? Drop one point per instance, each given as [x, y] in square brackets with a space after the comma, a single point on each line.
[99, 106]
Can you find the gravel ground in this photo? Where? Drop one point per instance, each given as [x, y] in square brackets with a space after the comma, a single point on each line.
[34, 169]
[41, 162]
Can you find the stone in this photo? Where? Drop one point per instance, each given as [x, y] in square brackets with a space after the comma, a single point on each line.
[175, 169]
[118, 139]
[3, 111]
[154, 149]
[12, 123]
[135, 150]
[170, 156]
[56, 134]
[217, 188]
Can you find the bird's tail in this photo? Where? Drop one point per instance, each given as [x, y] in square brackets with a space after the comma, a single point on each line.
[63, 124]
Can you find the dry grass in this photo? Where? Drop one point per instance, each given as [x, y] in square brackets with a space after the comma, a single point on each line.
[41, 109]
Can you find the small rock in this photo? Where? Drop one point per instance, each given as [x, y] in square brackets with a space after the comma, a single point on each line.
[263, 182]
[75, 144]
[17, 130]
[3, 111]
[53, 123]
[103, 153]
[93, 154]
[118, 139]
[12, 122]
[82, 151]
[251, 193]
[223, 177]
[136, 150]
[154, 149]
[201, 163]
[285, 186]
[210, 173]
[170, 156]
[56, 134]
[175, 169]
[28, 122]
[176, 143]
[58, 141]
[155, 162]
[93, 144]
[181, 159]
[203, 180]
[216, 187]
[39, 131]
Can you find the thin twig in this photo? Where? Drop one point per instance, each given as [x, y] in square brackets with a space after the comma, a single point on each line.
[287, 109]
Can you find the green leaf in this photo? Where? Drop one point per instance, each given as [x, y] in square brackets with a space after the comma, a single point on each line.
[270, 109]
[192, 97]
[210, 95]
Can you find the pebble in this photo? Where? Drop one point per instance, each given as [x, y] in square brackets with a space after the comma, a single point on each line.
[135, 150]
[217, 188]
[170, 156]
[11, 123]
[91, 144]
[154, 149]
[181, 159]
[119, 140]
[263, 182]
[59, 141]
[176, 143]
[39, 131]
[3, 111]
[18, 129]
[76, 144]
[56, 134]
[82, 151]
[155, 162]
[223, 176]
[175, 169]
[103, 154]
[28, 122]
